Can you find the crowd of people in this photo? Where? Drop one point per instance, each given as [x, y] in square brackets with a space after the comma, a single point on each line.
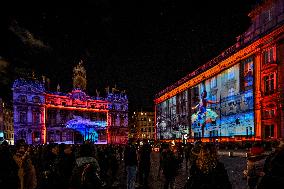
[86, 166]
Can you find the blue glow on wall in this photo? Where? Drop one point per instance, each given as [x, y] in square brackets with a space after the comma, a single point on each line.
[87, 128]
[219, 106]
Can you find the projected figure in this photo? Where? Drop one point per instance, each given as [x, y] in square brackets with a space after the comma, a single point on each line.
[204, 115]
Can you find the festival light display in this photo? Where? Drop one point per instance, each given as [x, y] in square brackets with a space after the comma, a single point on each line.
[236, 96]
[90, 130]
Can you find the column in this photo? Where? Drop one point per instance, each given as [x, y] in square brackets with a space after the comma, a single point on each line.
[257, 95]
[43, 126]
[280, 112]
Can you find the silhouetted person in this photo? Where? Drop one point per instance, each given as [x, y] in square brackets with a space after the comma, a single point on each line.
[207, 172]
[26, 171]
[86, 174]
[169, 165]
[273, 169]
[131, 162]
[144, 163]
[9, 169]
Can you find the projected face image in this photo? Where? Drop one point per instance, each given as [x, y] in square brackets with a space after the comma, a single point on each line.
[219, 106]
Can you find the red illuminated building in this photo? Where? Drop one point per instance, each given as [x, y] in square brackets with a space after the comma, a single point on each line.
[41, 116]
[238, 95]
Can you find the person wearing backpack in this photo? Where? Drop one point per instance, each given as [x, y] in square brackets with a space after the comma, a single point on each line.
[86, 171]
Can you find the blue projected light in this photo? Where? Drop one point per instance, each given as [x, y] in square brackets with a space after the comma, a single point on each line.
[89, 129]
[220, 106]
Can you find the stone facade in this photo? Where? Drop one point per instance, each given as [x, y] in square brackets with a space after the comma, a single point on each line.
[263, 45]
[41, 116]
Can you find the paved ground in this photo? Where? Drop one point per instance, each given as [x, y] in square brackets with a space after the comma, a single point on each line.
[234, 165]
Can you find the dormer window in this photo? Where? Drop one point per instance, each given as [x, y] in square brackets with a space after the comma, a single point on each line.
[267, 15]
[23, 99]
[36, 99]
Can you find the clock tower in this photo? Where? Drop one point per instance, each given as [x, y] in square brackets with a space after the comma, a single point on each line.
[79, 77]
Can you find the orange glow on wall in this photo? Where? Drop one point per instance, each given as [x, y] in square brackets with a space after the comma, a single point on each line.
[107, 130]
[224, 64]
[43, 129]
[254, 49]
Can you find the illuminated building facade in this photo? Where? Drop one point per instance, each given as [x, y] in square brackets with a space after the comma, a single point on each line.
[6, 123]
[142, 125]
[41, 116]
[238, 94]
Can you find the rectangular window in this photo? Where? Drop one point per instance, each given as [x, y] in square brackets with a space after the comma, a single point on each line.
[23, 117]
[267, 15]
[36, 117]
[268, 56]
[231, 74]
[248, 73]
[269, 84]
[23, 99]
[268, 114]
[213, 82]
[269, 131]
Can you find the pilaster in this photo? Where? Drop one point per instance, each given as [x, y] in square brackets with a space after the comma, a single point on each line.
[280, 87]
[257, 95]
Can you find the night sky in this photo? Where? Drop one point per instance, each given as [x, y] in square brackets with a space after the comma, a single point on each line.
[141, 46]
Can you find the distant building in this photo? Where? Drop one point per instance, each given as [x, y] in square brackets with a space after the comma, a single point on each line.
[238, 95]
[6, 123]
[41, 116]
[142, 125]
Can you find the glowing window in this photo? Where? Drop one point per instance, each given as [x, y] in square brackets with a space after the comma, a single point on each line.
[231, 92]
[267, 114]
[269, 84]
[268, 56]
[213, 82]
[231, 74]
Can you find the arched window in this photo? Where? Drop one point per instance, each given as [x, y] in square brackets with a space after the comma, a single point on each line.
[22, 98]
